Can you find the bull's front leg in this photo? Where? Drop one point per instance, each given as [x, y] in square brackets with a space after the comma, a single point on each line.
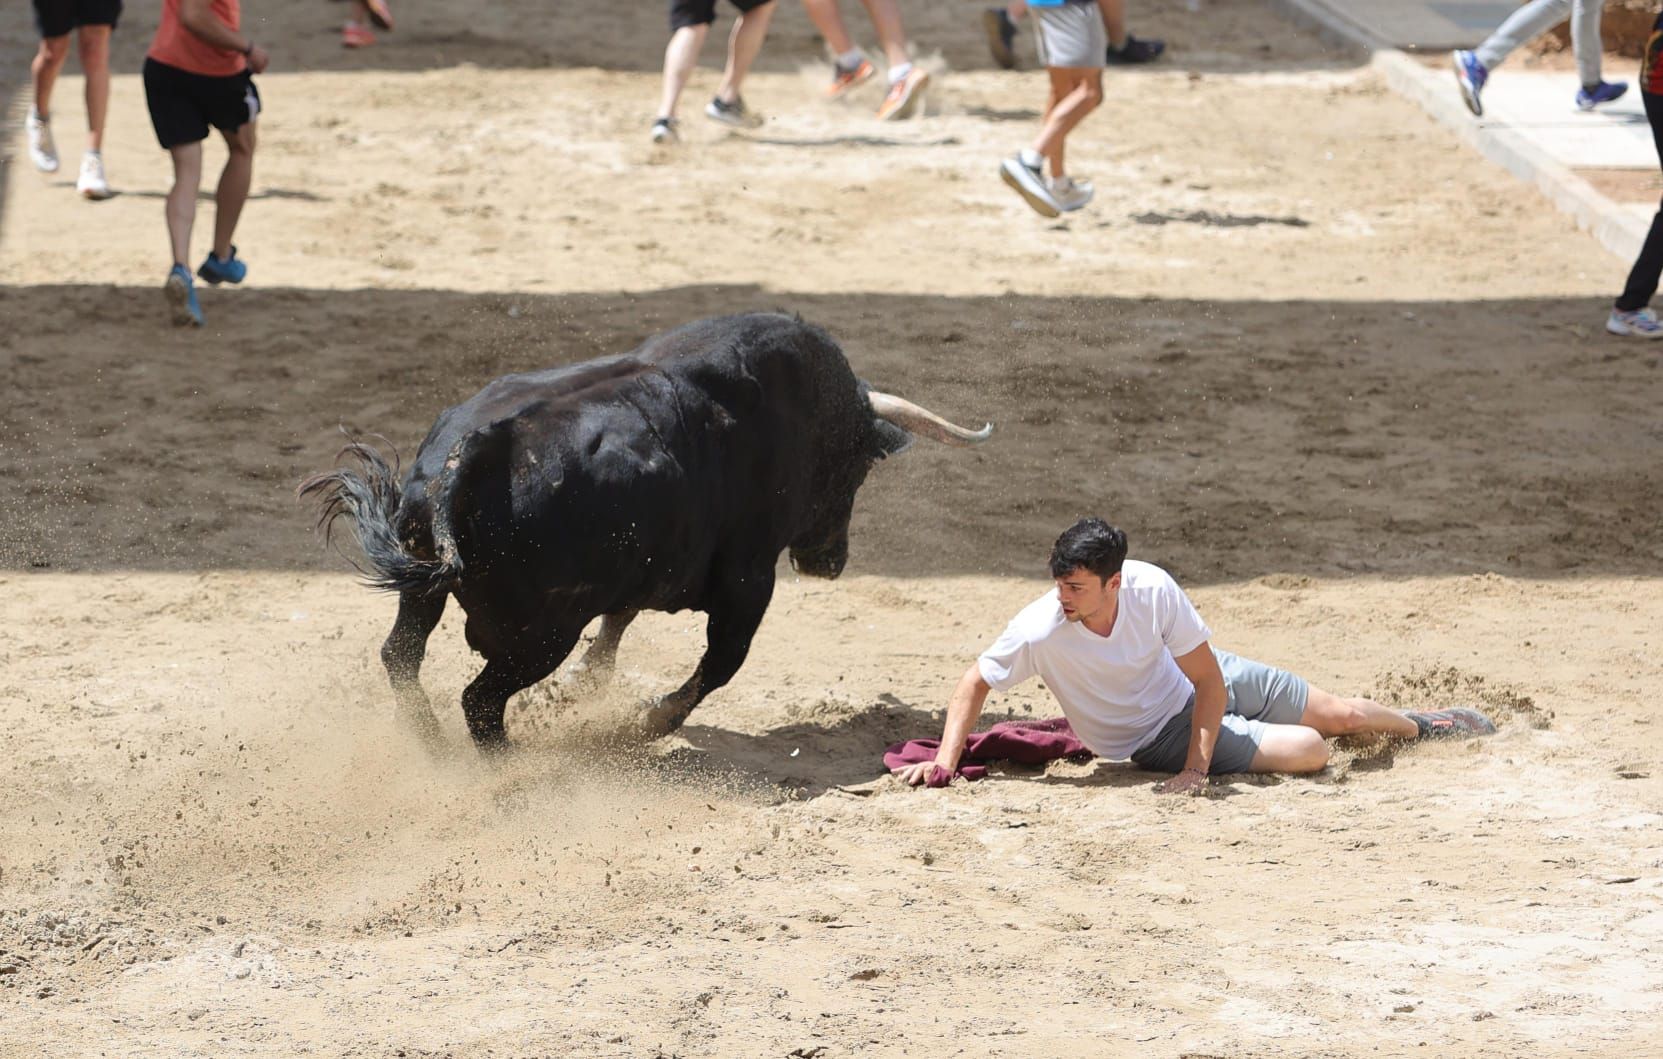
[735, 613]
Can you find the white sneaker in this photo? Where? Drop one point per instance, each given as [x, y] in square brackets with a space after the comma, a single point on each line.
[664, 131]
[1071, 194]
[91, 183]
[1637, 323]
[42, 151]
[1030, 185]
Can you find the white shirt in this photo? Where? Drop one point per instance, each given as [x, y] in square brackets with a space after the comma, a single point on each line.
[1117, 691]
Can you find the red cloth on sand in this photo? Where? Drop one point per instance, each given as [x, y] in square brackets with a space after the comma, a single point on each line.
[1024, 742]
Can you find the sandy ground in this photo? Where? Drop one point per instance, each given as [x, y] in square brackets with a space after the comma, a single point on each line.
[1343, 378]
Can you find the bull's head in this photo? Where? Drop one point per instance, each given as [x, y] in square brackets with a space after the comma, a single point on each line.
[895, 422]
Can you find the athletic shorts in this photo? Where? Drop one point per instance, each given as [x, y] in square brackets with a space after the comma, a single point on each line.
[703, 12]
[183, 104]
[54, 18]
[1260, 695]
[1071, 36]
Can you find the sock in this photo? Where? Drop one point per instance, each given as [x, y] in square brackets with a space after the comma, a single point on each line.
[898, 72]
[1031, 158]
[40, 119]
[851, 59]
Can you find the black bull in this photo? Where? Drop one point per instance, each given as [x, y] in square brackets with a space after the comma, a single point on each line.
[669, 478]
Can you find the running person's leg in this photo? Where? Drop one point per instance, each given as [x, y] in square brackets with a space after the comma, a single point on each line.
[181, 200]
[93, 43]
[55, 19]
[1522, 26]
[234, 182]
[1074, 94]
[1630, 316]
[689, 25]
[744, 44]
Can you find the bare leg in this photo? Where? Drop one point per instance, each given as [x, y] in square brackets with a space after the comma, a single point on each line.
[1075, 93]
[181, 200]
[1114, 20]
[1290, 748]
[233, 188]
[95, 63]
[886, 19]
[680, 56]
[743, 45]
[828, 21]
[1331, 715]
[43, 71]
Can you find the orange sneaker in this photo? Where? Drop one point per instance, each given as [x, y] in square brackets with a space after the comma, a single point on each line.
[903, 96]
[844, 78]
[380, 14]
[355, 36]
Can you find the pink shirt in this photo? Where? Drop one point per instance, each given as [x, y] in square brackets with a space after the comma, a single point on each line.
[180, 48]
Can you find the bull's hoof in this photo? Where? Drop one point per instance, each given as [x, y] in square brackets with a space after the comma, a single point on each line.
[656, 721]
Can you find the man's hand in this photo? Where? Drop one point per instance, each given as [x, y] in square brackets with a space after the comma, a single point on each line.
[258, 59]
[1189, 781]
[918, 774]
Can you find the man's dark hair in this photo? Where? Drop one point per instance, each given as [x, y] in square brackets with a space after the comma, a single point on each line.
[1089, 544]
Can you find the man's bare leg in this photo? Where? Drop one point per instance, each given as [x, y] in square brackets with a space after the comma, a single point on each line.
[1292, 748]
[744, 44]
[1331, 715]
[181, 200]
[43, 71]
[828, 22]
[1114, 20]
[680, 56]
[892, 35]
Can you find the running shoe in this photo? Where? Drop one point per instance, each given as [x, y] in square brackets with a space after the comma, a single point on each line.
[355, 36]
[42, 151]
[845, 78]
[734, 114]
[1604, 92]
[1470, 74]
[1135, 51]
[1001, 36]
[230, 270]
[1027, 182]
[181, 297]
[381, 16]
[1442, 724]
[904, 96]
[91, 183]
[1070, 194]
[1634, 323]
[664, 131]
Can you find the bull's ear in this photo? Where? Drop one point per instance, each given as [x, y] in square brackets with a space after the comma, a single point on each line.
[890, 438]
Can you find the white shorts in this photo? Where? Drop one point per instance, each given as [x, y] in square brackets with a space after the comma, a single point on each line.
[1071, 36]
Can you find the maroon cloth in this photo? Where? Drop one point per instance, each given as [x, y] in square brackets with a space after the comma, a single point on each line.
[1024, 742]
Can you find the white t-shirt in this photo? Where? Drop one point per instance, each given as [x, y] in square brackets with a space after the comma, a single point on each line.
[1117, 691]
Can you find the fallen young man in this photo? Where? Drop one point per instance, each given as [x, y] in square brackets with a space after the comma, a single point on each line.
[1127, 656]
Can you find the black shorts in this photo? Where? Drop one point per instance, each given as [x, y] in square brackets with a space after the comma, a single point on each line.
[54, 18]
[183, 104]
[703, 12]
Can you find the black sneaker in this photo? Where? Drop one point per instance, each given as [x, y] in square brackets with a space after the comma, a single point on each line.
[664, 131]
[733, 113]
[1442, 724]
[1001, 35]
[1136, 51]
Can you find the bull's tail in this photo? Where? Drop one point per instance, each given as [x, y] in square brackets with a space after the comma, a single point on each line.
[370, 497]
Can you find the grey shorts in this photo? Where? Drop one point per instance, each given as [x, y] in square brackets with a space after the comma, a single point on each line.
[1071, 36]
[1260, 695]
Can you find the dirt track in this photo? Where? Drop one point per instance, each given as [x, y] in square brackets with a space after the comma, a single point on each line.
[1343, 379]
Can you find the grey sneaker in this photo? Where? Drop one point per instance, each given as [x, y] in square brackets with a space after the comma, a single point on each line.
[1070, 194]
[1030, 184]
[42, 151]
[1634, 323]
[733, 114]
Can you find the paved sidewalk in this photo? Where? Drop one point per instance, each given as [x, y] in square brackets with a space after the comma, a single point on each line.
[1531, 125]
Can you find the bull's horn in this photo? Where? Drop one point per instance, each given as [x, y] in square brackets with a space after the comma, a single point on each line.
[922, 421]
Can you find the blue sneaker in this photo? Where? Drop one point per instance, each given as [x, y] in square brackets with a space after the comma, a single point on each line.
[1470, 75]
[181, 296]
[215, 271]
[1604, 92]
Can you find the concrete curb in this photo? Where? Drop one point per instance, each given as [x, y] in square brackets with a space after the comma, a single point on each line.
[1617, 229]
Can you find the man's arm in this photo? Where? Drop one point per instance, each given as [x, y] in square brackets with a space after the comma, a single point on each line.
[1210, 700]
[198, 17]
[962, 712]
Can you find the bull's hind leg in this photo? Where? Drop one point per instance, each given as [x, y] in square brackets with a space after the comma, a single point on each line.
[594, 669]
[402, 654]
[486, 699]
[735, 614]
